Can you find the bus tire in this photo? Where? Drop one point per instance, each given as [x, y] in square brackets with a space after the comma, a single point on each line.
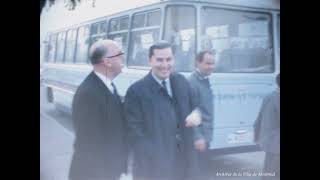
[50, 95]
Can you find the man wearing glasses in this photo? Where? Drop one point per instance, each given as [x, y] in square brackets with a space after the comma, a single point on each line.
[100, 147]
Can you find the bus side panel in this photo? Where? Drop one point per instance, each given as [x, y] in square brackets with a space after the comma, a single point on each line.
[63, 83]
[237, 101]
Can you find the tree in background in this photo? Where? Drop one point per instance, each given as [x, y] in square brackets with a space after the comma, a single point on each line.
[69, 4]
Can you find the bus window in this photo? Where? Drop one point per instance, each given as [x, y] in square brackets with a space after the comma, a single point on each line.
[124, 23]
[97, 32]
[60, 47]
[154, 18]
[138, 20]
[45, 46]
[52, 48]
[114, 23]
[82, 45]
[180, 32]
[119, 31]
[143, 35]
[103, 27]
[241, 40]
[71, 45]
[278, 32]
[94, 29]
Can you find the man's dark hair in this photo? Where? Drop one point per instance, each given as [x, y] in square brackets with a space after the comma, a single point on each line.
[199, 57]
[159, 45]
[278, 80]
[97, 51]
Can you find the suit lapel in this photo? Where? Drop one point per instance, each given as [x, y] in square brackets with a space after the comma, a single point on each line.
[102, 93]
[177, 92]
[100, 86]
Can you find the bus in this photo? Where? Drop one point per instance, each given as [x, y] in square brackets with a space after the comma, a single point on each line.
[245, 36]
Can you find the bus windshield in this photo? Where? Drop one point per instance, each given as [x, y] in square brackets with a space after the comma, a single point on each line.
[181, 34]
[242, 40]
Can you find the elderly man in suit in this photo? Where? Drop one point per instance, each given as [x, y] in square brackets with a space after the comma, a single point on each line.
[267, 133]
[100, 147]
[158, 111]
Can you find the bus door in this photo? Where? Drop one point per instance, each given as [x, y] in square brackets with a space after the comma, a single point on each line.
[244, 70]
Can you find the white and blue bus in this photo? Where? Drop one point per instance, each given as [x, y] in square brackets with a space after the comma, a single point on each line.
[244, 35]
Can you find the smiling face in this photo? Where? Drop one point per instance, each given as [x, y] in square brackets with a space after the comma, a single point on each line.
[161, 62]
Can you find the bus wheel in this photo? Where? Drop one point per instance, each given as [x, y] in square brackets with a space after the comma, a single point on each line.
[49, 95]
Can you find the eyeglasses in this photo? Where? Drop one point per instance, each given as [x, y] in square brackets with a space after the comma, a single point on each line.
[121, 53]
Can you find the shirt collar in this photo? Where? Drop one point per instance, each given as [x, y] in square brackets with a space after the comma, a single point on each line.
[200, 75]
[105, 80]
[159, 80]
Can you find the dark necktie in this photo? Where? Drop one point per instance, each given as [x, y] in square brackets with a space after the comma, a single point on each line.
[164, 86]
[115, 92]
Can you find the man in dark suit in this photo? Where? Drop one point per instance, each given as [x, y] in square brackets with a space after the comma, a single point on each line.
[267, 133]
[100, 147]
[158, 108]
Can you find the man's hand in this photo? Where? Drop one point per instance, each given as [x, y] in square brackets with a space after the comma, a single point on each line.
[200, 145]
[193, 119]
